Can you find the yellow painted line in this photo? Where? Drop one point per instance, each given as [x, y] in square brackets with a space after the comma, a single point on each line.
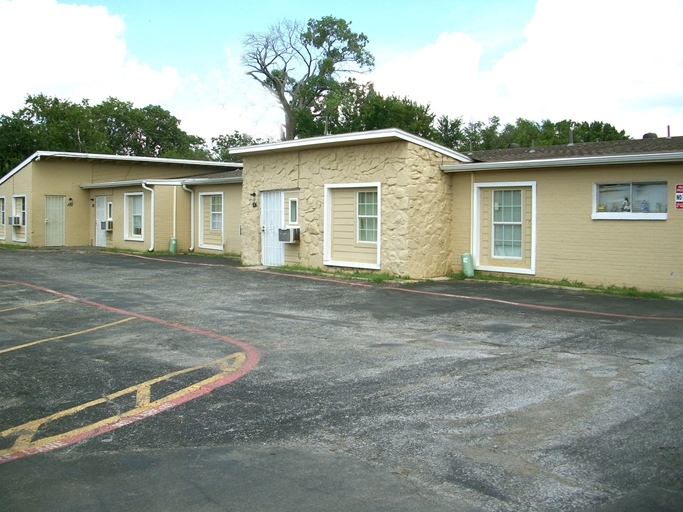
[30, 305]
[67, 335]
[27, 431]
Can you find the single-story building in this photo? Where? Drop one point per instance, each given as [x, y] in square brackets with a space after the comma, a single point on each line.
[55, 199]
[604, 213]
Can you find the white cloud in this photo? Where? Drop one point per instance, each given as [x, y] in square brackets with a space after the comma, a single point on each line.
[74, 52]
[615, 61]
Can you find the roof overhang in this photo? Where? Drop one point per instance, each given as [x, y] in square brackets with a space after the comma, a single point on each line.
[173, 182]
[348, 139]
[122, 159]
[565, 162]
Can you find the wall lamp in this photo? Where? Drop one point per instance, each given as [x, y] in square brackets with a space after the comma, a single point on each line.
[253, 199]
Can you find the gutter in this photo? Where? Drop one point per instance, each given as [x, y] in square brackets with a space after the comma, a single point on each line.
[151, 228]
[565, 162]
[191, 249]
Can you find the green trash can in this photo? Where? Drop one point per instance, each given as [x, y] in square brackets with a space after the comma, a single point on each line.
[172, 245]
[467, 264]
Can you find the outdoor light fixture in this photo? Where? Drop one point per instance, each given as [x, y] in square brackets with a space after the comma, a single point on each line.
[253, 199]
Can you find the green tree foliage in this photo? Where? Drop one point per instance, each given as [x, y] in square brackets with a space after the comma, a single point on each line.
[545, 133]
[112, 127]
[352, 107]
[220, 146]
[301, 65]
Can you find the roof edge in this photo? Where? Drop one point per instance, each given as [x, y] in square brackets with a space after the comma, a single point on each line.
[341, 138]
[121, 158]
[565, 162]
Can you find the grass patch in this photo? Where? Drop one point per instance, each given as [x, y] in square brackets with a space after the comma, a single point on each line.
[374, 277]
[15, 246]
[620, 291]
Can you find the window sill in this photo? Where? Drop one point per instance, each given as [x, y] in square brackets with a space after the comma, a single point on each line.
[129, 239]
[628, 216]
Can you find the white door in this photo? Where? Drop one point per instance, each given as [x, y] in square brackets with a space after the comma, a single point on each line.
[100, 216]
[54, 221]
[272, 219]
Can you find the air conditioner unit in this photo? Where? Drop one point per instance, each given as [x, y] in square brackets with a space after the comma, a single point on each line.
[289, 235]
[15, 221]
[110, 225]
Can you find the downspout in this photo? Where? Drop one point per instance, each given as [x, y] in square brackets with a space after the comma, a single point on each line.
[175, 208]
[151, 228]
[191, 216]
[472, 213]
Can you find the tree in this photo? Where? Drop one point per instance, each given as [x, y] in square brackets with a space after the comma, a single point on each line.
[112, 127]
[220, 146]
[448, 132]
[300, 65]
[353, 107]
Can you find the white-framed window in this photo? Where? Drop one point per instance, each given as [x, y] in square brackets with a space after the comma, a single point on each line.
[341, 247]
[110, 210]
[293, 210]
[647, 200]
[507, 224]
[133, 204]
[20, 208]
[217, 213]
[367, 216]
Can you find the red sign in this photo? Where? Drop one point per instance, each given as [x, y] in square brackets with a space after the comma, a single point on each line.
[679, 196]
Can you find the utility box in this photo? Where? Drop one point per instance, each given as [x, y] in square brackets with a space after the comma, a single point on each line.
[467, 264]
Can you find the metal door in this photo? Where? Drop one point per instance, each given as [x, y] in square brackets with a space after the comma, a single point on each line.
[54, 221]
[100, 216]
[272, 219]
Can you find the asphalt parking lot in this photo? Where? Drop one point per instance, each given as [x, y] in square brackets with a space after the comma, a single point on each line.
[189, 383]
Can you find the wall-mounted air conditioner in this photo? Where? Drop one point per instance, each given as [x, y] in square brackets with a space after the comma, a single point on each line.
[289, 235]
[107, 225]
[14, 221]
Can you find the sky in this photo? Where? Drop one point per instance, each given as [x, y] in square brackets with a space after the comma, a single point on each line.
[615, 61]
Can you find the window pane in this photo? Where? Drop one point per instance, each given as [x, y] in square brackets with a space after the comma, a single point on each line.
[293, 211]
[367, 229]
[216, 204]
[367, 203]
[367, 216]
[507, 223]
[649, 197]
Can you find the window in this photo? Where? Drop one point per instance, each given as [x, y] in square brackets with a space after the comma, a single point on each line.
[110, 210]
[631, 200]
[2, 211]
[133, 216]
[293, 210]
[216, 213]
[507, 223]
[20, 209]
[367, 216]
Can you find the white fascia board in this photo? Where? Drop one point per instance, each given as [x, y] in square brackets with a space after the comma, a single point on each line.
[388, 134]
[139, 159]
[565, 162]
[192, 182]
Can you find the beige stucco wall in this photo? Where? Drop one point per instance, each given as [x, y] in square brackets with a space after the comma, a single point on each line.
[416, 212]
[569, 244]
[18, 185]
